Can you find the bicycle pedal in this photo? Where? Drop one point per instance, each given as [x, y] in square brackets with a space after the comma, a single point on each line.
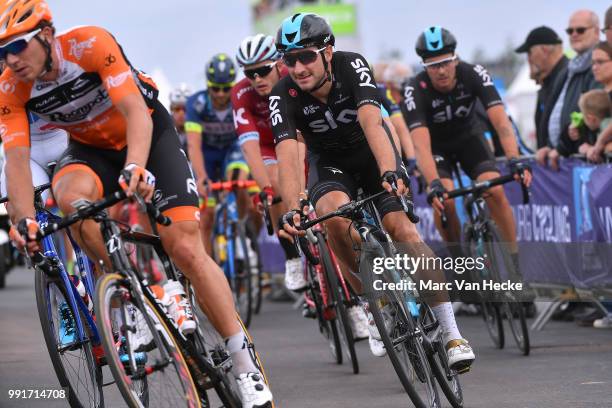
[463, 370]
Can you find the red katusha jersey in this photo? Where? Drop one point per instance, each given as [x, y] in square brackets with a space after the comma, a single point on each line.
[252, 117]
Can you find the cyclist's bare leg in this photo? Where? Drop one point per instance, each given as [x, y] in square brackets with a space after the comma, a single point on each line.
[206, 224]
[76, 185]
[402, 230]
[242, 195]
[182, 242]
[501, 212]
[338, 230]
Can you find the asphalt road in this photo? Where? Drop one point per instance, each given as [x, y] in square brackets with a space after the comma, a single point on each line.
[569, 366]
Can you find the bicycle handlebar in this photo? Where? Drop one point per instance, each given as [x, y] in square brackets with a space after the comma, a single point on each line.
[230, 185]
[267, 218]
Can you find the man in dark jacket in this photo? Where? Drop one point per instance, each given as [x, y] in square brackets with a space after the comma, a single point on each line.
[548, 67]
[583, 31]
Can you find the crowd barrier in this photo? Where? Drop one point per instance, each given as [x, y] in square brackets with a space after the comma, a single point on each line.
[564, 232]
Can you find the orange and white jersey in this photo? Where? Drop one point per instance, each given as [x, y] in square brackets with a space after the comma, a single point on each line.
[94, 76]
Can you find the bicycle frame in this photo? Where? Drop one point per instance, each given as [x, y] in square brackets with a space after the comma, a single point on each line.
[85, 272]
[226, 217]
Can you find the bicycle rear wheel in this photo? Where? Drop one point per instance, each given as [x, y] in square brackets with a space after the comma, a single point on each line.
[155, 377]
[211, 346]
[72, 358]
[338, 299]
[510, 307]
[490, 309]
[400, 334]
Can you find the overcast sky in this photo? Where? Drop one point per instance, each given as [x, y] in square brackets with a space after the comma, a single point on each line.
[179, 36]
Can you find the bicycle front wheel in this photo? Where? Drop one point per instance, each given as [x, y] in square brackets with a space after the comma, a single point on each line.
[338, 299]
[142, 353]
[400, 334]
[72, 357]
[242, 283]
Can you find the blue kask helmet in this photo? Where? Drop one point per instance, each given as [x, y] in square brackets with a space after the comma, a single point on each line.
[221, 70]
[303, 30]
[435, 41]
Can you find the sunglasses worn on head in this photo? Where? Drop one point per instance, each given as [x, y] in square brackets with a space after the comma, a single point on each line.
[305, 57]
[262, 71]
[439, 64]
[224, 89]
[18, 45]
[578, 30]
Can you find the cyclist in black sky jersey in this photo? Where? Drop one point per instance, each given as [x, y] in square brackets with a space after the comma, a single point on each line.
[439, 108]
[332, 99]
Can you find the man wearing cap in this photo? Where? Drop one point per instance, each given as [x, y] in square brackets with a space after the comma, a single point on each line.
[583, 32]
[548, 67]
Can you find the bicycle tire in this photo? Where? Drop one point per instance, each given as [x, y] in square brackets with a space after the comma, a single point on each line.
[493, 322]
[242, 285]
[252, 234]
[338, 299]
[108, 284]
[408, 357]
[448, 379]
[326, 327]
[45, 306]
[490, 310]
[513, 310]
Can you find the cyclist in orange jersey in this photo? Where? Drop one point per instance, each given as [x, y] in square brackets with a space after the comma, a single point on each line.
[81, 81]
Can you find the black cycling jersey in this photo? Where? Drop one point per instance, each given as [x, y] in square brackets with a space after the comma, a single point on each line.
[446, 115]
[332, 126]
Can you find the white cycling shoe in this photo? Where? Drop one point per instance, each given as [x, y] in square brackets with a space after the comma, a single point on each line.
[294, 275]
[460, 355]
[253, 391]
[377, 347]
[141, 339]
[359, 322]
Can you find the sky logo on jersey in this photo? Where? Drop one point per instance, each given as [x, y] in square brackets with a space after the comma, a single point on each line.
[310, 109]
[447, 114]
[78, 48]
[409, 98]
[275, 115]
[323, 125]
[482, 72]
[364, 73]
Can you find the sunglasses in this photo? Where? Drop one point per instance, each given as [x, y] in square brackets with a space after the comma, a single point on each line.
[217, 89]
[305, 57]
[578, 30]
[18, 45]
[261, 72]
[439, 64]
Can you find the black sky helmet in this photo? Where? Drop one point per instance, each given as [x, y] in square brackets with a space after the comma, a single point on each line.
[304, 30]
[435, 41]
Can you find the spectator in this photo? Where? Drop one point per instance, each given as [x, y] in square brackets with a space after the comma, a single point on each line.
[379, 69]
[594, 117]
[602, 69]
[607, 30]
[583, 31]
[548, 67]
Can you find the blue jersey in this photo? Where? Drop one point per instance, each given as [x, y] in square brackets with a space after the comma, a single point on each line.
[388, 102]
[216, 127]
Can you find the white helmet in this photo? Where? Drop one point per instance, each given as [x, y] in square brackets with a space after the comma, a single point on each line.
[256, 49]
[179, 95]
